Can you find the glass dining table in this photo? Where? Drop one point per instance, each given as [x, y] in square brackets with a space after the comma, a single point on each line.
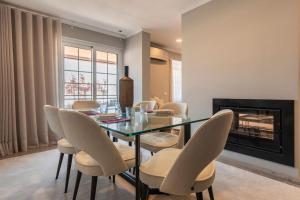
[143, 123]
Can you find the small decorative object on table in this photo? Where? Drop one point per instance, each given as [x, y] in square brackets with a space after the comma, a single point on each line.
[126, 91]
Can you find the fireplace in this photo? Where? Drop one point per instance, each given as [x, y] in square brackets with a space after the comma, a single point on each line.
[261, 128]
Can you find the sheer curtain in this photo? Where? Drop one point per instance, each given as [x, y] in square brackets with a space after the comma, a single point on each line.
[29, 45]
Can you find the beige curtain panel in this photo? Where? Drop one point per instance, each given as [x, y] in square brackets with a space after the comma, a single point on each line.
[29, 49]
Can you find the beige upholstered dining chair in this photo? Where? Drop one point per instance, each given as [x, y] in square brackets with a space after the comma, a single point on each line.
[63, 145]
[151, 105]
[157, 141]
[99, 156]
[85, 104]
[180, 172]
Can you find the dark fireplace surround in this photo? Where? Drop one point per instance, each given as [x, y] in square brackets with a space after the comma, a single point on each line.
[261, 128]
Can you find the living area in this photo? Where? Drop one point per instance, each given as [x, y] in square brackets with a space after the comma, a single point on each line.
[188, 99]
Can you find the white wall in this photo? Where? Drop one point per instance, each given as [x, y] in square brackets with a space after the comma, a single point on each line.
[137, 57]
[241, 49]
[92, 36]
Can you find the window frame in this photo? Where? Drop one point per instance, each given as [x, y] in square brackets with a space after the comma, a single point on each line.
[72, 42]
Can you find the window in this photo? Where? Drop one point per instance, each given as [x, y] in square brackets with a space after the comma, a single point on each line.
[89, 74]
[176, 81]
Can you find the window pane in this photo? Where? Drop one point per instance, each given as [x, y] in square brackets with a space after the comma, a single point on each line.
[85, 77]
[85, 65]
[112, 79]
[101, 67]
[85, 54]
[85, 97]
[112, 58]
[101, 56]
[85, 89]
[112, 90]
[71, 89]
[112, 102]
[101, 89]
[102, 100]
[71, 77]
[176, 81]
[112, 68]
[79, 76]
[71, 52]
[102, 78]
[71, 64]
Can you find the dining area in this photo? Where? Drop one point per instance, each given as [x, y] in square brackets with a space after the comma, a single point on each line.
[108, 143]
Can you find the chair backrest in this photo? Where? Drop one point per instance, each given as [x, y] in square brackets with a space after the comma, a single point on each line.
[202, 149]
[85, 134]
[51, 113]
[86, 104]
[150, 104]
[179, 108]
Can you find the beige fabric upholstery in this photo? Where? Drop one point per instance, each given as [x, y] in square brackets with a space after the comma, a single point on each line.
[122, 137]
[159, 101]
[151, 105]
[63, 145]
[85, 134]
[85, 105]
[157, 141]
[157, 168]
[179, 108]
[181, 172]
[89, 166]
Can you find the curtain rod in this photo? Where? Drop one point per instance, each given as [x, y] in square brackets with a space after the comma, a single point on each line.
[28, 10]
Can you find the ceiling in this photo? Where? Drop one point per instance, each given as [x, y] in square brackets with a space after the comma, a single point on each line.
[161, 18]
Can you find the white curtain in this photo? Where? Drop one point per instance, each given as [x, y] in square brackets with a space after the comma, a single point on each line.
[29, 52]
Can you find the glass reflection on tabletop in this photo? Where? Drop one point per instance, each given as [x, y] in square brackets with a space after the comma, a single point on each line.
[141, 122]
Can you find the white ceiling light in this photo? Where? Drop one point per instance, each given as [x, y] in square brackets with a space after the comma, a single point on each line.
[179, 40]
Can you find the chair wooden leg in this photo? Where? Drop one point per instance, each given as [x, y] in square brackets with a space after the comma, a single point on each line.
[61, 157]
[94, 187]
[146, 192]
[78, 178]
[151, 153]
[211, 193]
[199, 196]
[130, 144]
[115, 139]
[70, 157]
[133, 171]
[114, 178]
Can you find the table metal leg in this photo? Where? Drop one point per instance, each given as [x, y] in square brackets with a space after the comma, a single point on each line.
[137, 168]
[187, 132]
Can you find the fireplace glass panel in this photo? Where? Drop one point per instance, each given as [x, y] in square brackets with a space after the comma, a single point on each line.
[254, 125]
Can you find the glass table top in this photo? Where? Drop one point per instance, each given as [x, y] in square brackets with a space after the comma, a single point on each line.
[148, 122]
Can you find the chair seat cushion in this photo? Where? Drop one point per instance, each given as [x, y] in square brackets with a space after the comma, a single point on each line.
[65, 147]
[155, 142]
[154, 170]
[122, 137]
[89, 166]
